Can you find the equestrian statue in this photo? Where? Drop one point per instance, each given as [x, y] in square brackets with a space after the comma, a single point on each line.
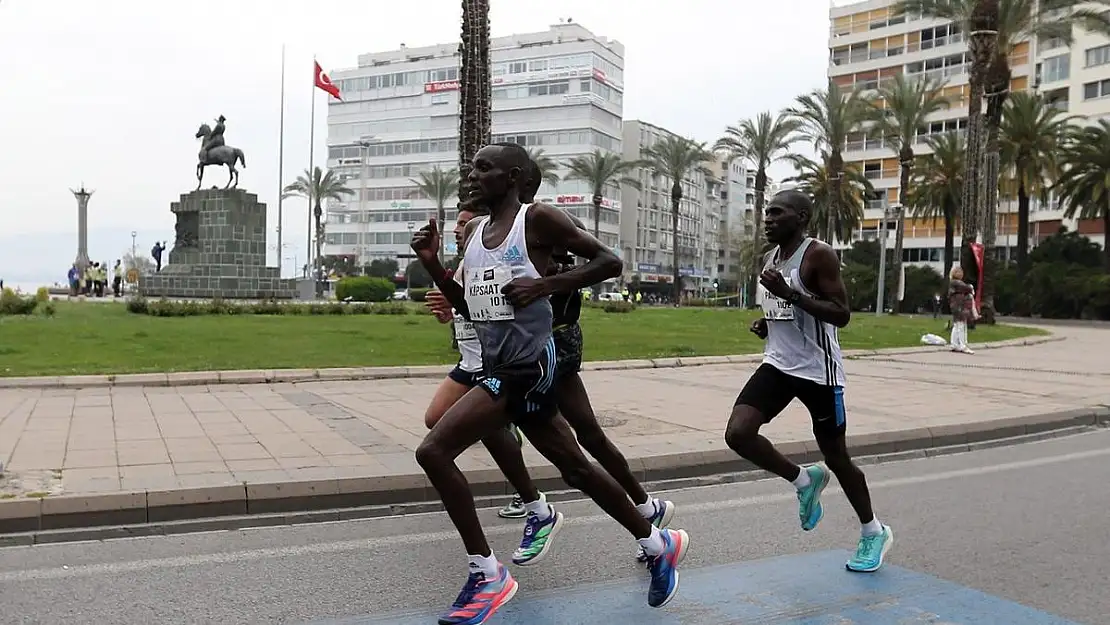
[214, 152]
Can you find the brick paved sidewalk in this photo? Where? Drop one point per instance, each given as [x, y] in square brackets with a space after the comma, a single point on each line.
[105, 440]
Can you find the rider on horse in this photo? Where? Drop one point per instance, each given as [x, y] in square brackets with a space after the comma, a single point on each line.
[215, 138]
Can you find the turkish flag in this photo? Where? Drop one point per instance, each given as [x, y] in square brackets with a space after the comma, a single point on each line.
[323, 82]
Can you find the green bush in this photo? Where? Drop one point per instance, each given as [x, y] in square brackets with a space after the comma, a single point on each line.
[137, 304]
[364, 289]
[418, 295]
[12, 303]
[1098, 306]
[699, 302]
[42, 295]
[618, 307]
[167, 308]
[390, 308]
[48, 309]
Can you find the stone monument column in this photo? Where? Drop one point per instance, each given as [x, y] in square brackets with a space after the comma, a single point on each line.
[82, 196]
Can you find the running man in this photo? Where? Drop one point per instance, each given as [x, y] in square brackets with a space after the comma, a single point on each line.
[503, 445]
[804, 302]
[505, 293]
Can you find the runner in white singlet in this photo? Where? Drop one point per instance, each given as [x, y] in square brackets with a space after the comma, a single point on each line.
[804, 303]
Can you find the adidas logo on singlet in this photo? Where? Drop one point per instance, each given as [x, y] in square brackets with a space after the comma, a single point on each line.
[512, 255]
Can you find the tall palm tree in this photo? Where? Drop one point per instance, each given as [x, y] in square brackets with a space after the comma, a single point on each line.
[995, 28]
[599, 170]
[677, 158]
[937, 187]
[761, 141]
[1032, 132]
[474, 87]
[1084, 185]
[547, 165]
[438, 185]
[826, 118]
[902, 107]
[834, 219]
[317, 186]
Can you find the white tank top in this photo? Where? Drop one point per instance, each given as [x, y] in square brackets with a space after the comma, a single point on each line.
[509, 336]
[470, 350]
[797, 343]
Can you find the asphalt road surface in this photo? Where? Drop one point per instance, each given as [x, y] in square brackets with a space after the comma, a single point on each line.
[976, 534]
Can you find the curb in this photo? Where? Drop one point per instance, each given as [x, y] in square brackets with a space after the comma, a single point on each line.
[86, 515]
[348, 374]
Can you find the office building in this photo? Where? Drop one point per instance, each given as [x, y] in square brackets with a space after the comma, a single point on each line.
[870, 43]
[559, 91]
[646, 222]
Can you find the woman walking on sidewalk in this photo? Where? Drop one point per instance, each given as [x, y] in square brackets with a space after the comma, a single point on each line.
[961, 299]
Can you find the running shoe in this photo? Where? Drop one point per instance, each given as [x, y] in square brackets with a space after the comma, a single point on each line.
[661, 518]
[538, 538]
[480, 598]
[810, 510]
[871, 551]
[515, 431]
[514, 509]
[664, 567]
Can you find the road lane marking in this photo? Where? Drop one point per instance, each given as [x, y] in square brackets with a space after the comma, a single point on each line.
[135, 566]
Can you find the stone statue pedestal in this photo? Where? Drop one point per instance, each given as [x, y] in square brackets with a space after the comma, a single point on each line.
[219, 251]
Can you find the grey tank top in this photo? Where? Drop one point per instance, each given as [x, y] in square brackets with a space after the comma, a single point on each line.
[797, 343]
[510, 337]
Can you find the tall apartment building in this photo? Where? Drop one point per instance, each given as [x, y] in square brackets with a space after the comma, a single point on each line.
[737, 209]
[646, 233]
[560, 91]
[869, 43]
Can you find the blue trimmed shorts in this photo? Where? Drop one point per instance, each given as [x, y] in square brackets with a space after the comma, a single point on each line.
[528, 389]
[769, 391]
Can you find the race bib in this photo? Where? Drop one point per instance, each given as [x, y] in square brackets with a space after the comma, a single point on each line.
[776, 308]
[483, 294]
[464, 330]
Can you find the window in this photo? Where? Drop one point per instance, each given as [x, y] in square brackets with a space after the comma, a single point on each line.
[1098, 56]
[1051, 43]
[1097, 89]
[441, 98]
[1056, 68]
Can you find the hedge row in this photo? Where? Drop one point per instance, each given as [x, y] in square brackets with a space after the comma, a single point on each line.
[13, 303]
[168, 308]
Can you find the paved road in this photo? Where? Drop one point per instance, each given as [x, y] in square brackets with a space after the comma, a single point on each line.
[1011, 522]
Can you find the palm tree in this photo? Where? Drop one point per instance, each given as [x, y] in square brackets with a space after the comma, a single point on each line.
[599, 170]
[317, 186]
[474, 87]
[1084, 185]
[826, 118]
[1032, 132]
[937, 187]
[902, 106]
[437, 185]
[547, 165]
[761, 141]
[677, 158]
[834, 219]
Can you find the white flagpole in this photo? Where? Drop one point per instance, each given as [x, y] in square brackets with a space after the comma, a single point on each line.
[311, 167]
[281, 162]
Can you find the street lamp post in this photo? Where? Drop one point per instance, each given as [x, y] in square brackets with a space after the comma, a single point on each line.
[133, 249]
[892, 212]
[408, 274]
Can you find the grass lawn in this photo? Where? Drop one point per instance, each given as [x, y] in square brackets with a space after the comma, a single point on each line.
[87, 338]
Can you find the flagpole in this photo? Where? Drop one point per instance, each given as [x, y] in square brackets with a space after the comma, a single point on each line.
[311, 167]
[281, 162]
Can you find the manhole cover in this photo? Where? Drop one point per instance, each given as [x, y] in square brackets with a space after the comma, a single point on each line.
[607, 420]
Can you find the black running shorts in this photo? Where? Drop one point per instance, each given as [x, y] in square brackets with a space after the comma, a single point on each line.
[528, 389]
[468, 379]
[568, 349]
[769, 391]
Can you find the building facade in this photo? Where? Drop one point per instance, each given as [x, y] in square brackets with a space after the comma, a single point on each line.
[559, 91]
[647, 236]
[870, 43]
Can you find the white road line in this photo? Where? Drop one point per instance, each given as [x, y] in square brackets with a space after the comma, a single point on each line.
[115, 568]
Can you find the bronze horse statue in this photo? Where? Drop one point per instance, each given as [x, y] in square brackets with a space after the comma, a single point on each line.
[218, 155]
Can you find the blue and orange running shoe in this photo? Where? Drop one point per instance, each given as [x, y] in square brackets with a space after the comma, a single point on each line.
[480, 598]
[661, 518]
[664, 567]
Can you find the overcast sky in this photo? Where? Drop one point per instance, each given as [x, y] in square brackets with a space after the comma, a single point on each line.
[109, 93]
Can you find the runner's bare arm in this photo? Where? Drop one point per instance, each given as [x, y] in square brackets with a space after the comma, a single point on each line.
[558, 231]
[425, 242]
[832, 307]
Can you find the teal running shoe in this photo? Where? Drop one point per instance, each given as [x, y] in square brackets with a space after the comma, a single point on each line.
[871, 551]
[809, 498]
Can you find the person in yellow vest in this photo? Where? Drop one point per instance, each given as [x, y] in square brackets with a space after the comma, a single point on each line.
[624, 295]
[639, 296]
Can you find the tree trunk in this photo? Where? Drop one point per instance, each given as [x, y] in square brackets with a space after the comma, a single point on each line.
[905, 160]
[474, 87]
[949, 245]
[757, 223]
[676, 200]
[1023, 228]
[318, 213]
[597, 215]
[981, 42]
[835, 170]
[1106, 233]
[441, 216]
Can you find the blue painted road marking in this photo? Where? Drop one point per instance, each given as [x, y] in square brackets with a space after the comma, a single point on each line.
[805, 589]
